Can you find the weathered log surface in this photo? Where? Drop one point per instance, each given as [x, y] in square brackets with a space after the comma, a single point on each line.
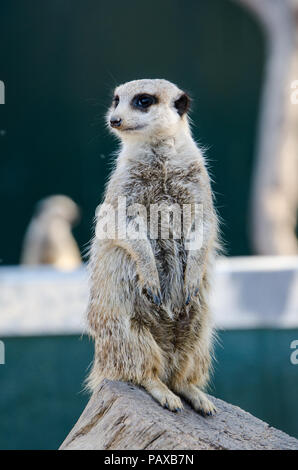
[122, 416]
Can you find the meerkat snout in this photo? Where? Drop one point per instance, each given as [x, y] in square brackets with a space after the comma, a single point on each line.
[115, 122]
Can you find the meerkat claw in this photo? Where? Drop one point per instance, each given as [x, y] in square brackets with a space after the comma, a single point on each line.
[156, 298]
[190, 294]
[149, 291]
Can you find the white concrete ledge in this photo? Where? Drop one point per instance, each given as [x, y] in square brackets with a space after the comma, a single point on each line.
[256, 292]
[42, 301]
[249, 292]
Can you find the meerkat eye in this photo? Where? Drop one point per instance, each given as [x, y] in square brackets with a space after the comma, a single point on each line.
[143, 101]
[116, 101]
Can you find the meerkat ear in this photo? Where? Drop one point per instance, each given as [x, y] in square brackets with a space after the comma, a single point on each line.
[182, 104]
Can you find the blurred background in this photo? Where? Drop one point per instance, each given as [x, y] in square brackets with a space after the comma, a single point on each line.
[59, 62]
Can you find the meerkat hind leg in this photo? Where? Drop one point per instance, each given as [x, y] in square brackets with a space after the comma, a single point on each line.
[197, 398]
[161, 393]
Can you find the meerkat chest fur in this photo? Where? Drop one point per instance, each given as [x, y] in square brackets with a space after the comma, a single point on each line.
[159, 173]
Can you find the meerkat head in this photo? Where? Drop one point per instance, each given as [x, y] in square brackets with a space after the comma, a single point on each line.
[58, 206]
[148, 109]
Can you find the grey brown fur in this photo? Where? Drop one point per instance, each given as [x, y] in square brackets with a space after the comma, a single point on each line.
[148, 311]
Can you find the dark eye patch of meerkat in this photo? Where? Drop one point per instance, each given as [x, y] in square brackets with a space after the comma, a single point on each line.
[143, 101]
[182, 104]
[116, 101]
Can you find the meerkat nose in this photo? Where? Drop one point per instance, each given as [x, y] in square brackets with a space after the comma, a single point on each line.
[115, 122]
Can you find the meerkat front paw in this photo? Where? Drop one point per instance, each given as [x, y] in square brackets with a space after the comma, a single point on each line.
[148, 284]
[191, 290]
[153, 293]
[151, 289]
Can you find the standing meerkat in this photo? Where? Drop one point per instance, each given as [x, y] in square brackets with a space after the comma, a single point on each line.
[148, 310]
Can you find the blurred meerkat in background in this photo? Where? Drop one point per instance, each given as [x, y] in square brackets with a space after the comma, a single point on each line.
[48, 239]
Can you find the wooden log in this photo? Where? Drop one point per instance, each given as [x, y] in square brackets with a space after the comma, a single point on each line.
[122, 416]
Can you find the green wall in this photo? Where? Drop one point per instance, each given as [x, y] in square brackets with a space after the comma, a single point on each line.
[60, 61]
[41, 383]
